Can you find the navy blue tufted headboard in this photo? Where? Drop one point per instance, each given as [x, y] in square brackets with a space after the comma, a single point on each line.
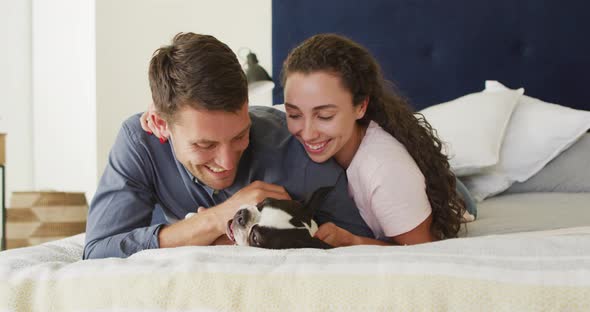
[437, 50]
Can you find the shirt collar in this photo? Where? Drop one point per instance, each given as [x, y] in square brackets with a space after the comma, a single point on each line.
[209, 190]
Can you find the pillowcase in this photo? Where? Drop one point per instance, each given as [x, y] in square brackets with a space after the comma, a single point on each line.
[280, 107]
[472, 128]
[537, 133]
[567, 173]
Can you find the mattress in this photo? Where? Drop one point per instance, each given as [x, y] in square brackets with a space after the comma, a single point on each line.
[549, 271]
[525, 212]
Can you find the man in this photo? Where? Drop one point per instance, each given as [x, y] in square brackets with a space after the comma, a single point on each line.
[216, 155]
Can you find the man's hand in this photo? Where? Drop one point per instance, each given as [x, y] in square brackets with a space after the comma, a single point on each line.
[208, 225]
[223, 240]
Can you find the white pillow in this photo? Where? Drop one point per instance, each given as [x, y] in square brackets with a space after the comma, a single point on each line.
[537, 133]
[280, 107]
[472, 128]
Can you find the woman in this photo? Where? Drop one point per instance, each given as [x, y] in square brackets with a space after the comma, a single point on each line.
[338, 105]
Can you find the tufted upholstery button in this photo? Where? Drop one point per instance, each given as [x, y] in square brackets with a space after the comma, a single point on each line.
[527, 51]
[427, 51]
[515, 48]
[519, 48]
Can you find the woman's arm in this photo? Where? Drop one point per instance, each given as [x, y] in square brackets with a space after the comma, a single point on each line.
[418, 235]
[336, 236]
[339, 237]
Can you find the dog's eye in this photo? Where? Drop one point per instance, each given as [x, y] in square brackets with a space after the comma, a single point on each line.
[253, 238]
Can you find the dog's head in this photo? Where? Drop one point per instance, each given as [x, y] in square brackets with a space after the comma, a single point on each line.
[278, 224]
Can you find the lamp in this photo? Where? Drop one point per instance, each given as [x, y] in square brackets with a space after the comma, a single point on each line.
[259, 81]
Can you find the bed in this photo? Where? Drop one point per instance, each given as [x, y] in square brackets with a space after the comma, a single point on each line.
[528, 249]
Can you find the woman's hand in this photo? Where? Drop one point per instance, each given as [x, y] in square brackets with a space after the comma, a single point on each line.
[336, 236]
[148, 123]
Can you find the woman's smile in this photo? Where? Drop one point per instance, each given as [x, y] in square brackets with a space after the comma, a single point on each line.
[316, 148]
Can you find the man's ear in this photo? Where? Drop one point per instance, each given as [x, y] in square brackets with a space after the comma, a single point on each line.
[161, 124]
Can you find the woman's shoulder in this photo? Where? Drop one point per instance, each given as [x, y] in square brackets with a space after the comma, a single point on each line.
[380, 154]
[382, 147]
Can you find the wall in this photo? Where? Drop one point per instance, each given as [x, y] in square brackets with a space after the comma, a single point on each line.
[15, 90]
[128, 32]
[73, 70]
[64, 123]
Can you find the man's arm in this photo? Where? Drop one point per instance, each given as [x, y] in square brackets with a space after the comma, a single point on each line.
[208, 225]
[200, 230]
[120, 213]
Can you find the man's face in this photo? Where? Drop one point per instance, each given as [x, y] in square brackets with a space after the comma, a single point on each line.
[210, 143]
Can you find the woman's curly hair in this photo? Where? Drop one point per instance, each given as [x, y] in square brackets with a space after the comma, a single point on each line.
[362, 76]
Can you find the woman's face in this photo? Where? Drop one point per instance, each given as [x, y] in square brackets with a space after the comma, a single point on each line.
[321, 114]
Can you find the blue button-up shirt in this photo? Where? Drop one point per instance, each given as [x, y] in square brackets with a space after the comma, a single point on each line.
[144, 186]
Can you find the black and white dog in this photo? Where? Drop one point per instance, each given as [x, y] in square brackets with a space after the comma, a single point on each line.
[278, 224]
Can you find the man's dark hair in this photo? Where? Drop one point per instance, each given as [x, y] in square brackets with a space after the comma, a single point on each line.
[199, 71]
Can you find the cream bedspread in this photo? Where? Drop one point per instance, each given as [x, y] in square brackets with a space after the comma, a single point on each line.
[537, 271]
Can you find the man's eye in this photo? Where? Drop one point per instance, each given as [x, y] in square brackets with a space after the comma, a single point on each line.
[241, 137]
[204, 146]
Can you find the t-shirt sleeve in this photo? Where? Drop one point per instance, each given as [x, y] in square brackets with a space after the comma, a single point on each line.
[398, 196]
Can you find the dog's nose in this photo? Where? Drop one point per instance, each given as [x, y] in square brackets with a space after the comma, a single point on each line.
[242, 217]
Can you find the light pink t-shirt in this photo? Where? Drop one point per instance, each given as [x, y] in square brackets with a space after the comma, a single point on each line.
[387, 185]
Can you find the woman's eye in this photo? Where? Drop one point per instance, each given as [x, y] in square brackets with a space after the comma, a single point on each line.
[326, 117]
[294, 116]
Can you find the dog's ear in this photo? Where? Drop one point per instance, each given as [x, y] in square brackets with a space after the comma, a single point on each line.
[317, 199]
[263, 203]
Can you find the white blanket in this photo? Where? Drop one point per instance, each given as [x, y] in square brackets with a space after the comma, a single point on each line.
[541, 271]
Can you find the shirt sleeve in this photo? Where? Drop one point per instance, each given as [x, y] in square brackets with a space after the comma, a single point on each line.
[398, 197]
[119, 216]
